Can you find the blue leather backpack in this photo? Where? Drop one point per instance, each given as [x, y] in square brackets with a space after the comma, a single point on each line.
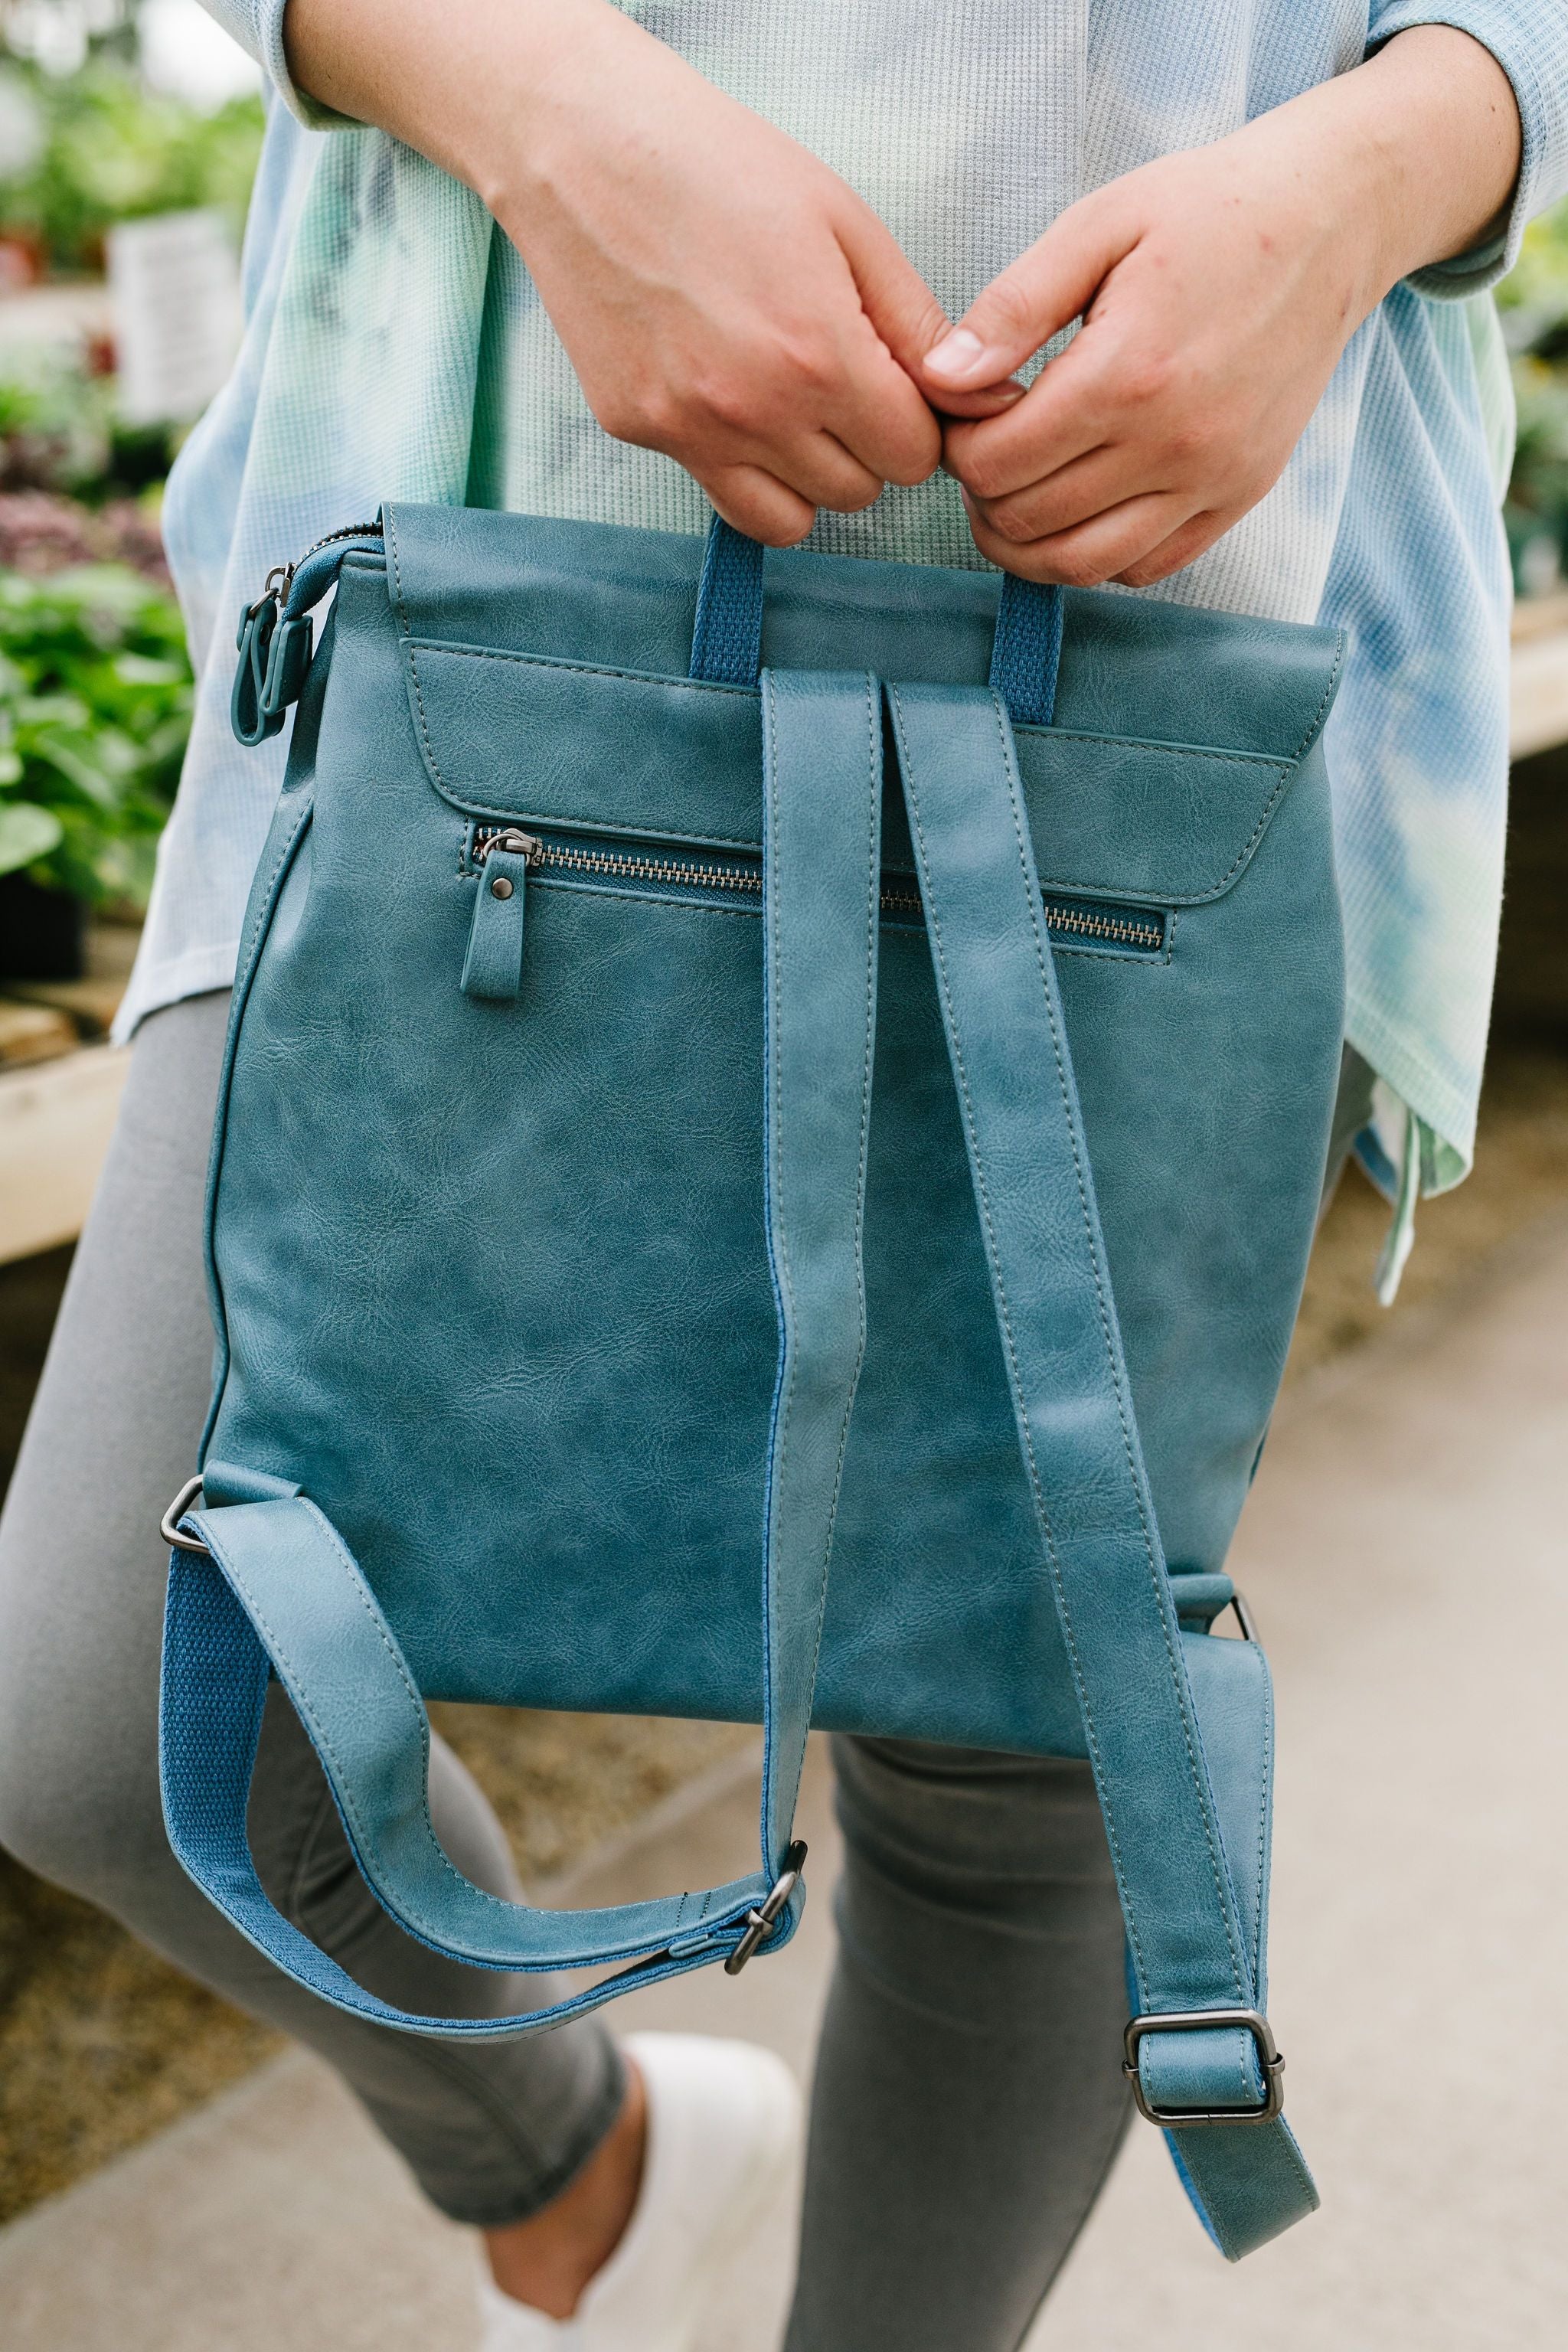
[817, 1063]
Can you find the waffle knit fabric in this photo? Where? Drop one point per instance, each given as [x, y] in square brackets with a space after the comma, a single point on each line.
[395, 349]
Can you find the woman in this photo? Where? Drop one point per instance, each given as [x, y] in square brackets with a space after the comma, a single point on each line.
[1278, 401]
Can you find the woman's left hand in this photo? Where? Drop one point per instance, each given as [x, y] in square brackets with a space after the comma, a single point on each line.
[1217, 288]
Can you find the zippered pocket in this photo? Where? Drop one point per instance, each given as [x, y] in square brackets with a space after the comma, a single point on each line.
[508, 861]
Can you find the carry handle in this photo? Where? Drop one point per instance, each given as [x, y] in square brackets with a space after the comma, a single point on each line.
[727, 636]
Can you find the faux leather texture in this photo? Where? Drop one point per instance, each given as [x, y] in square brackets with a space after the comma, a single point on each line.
[491, 1265]
[492, 967]
[587, 1263]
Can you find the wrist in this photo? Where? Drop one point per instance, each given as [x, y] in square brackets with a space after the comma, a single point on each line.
[471, 84]
[1429, 137]
[555, 103]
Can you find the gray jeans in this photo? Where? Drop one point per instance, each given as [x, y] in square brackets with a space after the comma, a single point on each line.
[968, 2098]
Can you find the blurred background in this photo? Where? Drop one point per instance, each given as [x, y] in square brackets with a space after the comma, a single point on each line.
[129, 134]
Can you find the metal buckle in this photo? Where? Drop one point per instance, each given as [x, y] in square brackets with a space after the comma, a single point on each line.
[169, 1525]
[1243, 1616]
[1184, 2020]
[760, 1923]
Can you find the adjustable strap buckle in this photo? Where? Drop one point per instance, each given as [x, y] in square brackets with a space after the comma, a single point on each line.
[1187, 2021]
[169, 1525]
[760, 1923]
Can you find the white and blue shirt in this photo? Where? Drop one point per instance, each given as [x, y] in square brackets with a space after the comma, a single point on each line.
[395, 349]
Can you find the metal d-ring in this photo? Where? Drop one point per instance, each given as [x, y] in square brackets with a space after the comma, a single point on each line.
[169, 1525]
[1243, 1616]
[760, 1922]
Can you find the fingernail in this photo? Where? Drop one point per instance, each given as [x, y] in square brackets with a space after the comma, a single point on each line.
[958, 354]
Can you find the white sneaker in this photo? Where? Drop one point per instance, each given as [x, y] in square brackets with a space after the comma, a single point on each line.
[723, 2127]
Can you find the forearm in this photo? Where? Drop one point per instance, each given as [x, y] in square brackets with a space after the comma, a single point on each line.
[474, 85]
[653, 213]
[1423, 143]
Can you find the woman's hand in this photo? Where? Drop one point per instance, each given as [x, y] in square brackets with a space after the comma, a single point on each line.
[722, 295]
[1217, 288]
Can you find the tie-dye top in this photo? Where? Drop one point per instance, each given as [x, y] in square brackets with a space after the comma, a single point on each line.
[395, 349]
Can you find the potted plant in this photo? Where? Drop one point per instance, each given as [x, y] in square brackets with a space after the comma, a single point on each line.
[95, 707]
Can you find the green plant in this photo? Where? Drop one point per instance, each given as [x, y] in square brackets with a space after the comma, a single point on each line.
[1536, 508]
[1534, 303]
[111, 149]
[60, 429]
[95, 708]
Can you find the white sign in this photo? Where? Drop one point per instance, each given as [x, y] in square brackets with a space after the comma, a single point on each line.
[174, 282]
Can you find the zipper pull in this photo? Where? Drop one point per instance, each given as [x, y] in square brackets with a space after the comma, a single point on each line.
[274, 656]
[274, 640]
[492, 969]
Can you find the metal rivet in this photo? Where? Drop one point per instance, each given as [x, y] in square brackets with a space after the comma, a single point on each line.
[501, 888]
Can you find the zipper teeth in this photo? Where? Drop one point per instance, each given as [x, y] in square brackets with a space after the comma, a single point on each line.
[350, 530]
[698, 873]
[1128, 930]
[695, 873]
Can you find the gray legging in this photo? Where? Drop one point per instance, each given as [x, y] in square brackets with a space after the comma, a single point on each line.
[968, 2098]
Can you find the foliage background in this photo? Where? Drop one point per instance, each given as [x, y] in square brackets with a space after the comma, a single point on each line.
[94, 693]
[1533, 301]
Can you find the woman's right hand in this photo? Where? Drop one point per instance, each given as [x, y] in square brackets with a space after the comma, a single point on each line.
[724, 296]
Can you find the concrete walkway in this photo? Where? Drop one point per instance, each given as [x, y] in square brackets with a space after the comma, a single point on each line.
[1405, 1554]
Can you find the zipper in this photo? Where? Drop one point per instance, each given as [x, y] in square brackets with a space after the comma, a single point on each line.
[280, 579]
[1138, 929]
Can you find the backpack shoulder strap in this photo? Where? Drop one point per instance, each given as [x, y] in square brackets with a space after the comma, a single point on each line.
[265, 1584]
[1035, 1195]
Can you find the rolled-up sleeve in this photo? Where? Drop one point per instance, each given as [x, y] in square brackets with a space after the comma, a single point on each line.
[257, 27]
[1529, 38]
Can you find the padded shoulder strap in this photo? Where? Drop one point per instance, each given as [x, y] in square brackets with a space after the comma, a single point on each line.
[276, 1590]
[1071, 1398]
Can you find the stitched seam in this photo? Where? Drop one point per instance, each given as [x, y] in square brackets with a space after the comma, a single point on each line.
[437, 647]
[1035, 1481]
[582, 669]
[786, 1280]
[425, 723]
[1172, 1656]
[320, 1733]
[873, 891]
[982, 1188]
[1319, 715]
[245, 970]
[1263, 1810]
[389, 539]
[1256, 836]
[418, 646]
[264, 908]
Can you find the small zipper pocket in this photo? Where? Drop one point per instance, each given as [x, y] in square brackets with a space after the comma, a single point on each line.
[506, 858]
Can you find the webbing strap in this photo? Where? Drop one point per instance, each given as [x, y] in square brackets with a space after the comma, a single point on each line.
[727, 634]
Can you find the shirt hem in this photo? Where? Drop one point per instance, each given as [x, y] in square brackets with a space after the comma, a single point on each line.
[200, 972]
[1449, 1121]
